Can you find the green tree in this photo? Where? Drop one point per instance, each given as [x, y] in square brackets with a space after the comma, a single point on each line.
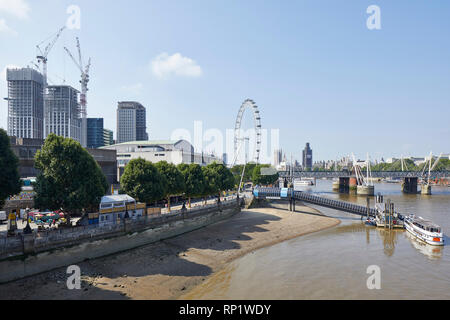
[174, 180]
[218, 178]
[194, 180]
[237, 172]
[70, 179]
[261, 177]
[10, 183]
[143, 181]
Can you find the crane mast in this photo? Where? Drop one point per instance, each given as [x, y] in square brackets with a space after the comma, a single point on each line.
[42, 56]
[84, 89]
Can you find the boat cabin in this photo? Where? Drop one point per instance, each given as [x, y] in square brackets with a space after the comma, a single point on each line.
[426, 225]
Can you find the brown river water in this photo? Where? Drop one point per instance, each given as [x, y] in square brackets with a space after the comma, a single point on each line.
[332, 264]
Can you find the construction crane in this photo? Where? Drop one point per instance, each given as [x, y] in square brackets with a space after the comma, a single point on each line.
[84, 89]
[42, 56]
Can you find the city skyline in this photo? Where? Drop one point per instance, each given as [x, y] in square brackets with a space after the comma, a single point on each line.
[342, 93]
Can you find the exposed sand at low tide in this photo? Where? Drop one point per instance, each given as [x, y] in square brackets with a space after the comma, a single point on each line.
[171, 268]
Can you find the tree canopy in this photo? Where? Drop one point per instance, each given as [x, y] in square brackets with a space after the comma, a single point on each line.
[70, 179]
[262, 175]
[193, 178]
[143, 181]
[217, 178]
[174, 179]
[10, 183]
[237, 172]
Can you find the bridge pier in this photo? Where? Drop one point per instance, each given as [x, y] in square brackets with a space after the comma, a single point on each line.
[366, 190]
[344, 184]
[426, 190]
[410, 185]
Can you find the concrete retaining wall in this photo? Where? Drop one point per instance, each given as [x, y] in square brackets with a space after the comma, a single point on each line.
[37, 253]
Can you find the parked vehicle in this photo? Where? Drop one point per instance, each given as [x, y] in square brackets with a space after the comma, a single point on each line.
[3, 217]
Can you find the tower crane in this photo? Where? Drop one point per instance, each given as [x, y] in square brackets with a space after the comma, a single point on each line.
[84, 89]
[43, 54]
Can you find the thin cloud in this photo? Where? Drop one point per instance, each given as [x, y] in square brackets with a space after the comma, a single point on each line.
[17, 8]
[133, 89]
[5, 29]
[165, 65]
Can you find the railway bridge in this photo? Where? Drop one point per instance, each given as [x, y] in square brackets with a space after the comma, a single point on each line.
[376, 174]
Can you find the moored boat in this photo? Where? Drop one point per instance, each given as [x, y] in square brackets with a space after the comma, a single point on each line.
[424, 230]
[371, 222]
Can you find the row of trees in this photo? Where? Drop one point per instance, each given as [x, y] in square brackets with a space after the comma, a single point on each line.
[148, 182]
[70, 179]
[443, 165]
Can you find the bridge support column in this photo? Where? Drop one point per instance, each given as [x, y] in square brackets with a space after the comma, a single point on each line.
[426, 189]
[344, 184]
[410, 185]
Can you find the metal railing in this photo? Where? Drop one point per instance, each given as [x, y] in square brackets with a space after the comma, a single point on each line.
[320, 201]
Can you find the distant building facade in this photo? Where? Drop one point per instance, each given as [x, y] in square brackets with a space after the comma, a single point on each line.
[62, 112]
[108, 137]
[131, 122]
[225, 158]
[95, 133]
[307, 157]
[277, 157]
[175, 152]
[25, 150]
[25, 103]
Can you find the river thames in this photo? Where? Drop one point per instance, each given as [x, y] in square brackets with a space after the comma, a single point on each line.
[332, 264]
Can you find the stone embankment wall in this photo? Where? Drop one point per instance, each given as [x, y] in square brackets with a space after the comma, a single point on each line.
[27, 255]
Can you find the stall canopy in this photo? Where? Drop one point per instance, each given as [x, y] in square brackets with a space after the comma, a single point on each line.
[121, 198]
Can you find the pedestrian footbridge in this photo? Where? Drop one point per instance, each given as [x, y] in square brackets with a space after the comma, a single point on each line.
[292, 196]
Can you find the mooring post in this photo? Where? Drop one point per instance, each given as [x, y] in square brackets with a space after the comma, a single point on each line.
[368, 207]
[386, 212]
[392, 216]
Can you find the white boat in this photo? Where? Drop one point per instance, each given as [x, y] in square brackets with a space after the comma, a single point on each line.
[303, 182]
[432, 252]
[424, 230]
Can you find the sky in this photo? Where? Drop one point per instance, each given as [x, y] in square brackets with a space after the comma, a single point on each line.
[315, 70]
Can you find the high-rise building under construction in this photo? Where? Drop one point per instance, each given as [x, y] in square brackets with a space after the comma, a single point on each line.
[62, 112]
[25, 103]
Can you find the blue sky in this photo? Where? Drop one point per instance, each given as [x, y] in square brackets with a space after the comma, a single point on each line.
[313, 67]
